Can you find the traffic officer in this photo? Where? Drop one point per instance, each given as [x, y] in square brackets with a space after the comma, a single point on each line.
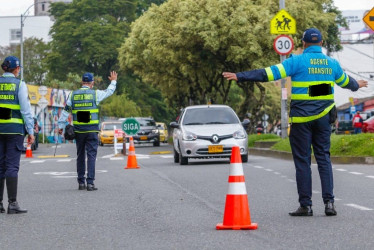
[84, 105]
[313, 76]
[15, 114]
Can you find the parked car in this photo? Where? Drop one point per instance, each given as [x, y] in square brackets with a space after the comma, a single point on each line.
[208, 131]
[106, 134]
[344, 127]
[163, 130]
[148, 132]
[368, 126]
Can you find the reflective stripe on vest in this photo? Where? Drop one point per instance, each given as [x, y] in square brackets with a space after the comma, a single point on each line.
[300, 91]
[311, 118]
[9, 88]
[84, 100]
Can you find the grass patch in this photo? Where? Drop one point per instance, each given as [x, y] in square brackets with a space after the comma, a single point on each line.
[341, 145]
[262, 137]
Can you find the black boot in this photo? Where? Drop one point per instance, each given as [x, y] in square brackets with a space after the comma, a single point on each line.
[2, 183]
[13, 207]
[330, 209]
[302, 211]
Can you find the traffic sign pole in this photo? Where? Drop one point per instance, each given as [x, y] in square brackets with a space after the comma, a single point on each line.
[284, 115]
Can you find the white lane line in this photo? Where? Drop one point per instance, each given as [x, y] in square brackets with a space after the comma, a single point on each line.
[356, 173]
[370, 176]
[337, 199]
[107, 156]
[283, 176]
[290, 180]
[258, 167]
[166, 156]
[276, 173]
[316, 192]
[340, 169]
[40, 161]
[117, 159]
[64, 177]
[269, 170]
[64, 160]
[362, 208]
[142, 157]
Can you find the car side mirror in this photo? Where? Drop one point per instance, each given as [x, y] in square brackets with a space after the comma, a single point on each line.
[174, 125]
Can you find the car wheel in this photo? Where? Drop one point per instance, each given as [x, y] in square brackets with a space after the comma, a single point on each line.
[176, 156]
[156, 143]
[245, 158]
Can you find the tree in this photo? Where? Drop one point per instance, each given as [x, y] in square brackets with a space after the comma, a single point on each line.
[86, 35]
[183, 46]
[120, 106]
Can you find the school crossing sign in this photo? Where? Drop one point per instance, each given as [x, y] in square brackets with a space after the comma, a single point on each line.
[282, 23]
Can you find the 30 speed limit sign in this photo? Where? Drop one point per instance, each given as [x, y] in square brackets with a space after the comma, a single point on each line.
[283, 45]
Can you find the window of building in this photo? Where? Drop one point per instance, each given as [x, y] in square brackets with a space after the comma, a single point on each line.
[15, 34]
[43, 7]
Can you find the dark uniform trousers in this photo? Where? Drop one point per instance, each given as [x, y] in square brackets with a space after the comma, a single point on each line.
[302, 135]
[11, 147]
[86, 142]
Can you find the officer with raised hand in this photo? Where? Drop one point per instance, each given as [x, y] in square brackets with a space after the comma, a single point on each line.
[313, 76]
[83, 103]
[15, 113]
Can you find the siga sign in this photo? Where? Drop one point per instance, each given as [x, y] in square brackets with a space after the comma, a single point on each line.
[130, 126]
[283, 45]
[369, 19]
[282, 23]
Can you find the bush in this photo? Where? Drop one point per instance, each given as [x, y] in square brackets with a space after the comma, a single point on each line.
[252, 138]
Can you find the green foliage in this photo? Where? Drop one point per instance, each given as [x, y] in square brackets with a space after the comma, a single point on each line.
[86, 35]
[183, 46]
[341, 145]
[73, 82]
[252, 138]
[119, 106]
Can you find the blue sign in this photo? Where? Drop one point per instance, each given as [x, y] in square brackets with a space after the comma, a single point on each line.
[353, 109]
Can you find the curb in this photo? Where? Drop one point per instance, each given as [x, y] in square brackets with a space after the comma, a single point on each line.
[288, 156]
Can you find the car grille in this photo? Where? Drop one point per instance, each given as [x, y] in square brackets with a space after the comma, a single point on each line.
[210, 138]
[144, 132]
[204, 151]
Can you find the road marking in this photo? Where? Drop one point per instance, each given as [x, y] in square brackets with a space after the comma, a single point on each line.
[257, 167]
[117, 159]
[75, 176]
[316, 192]
[356, 173]
[269, 170]
[337, 199]
[370, 176]
[290, 180]
[283, 176]
[362, 208]
[276, 173]
[166, 156]
[142, 157]
[340, 169]
[107, 156]
[65, 160]
[41, 161]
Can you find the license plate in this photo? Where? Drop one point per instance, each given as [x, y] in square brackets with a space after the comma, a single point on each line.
[215, 149]
[143, 138]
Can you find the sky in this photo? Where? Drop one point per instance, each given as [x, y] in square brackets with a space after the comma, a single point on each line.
[18, 7]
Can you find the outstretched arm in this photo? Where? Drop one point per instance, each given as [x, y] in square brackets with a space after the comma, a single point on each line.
[103, 94]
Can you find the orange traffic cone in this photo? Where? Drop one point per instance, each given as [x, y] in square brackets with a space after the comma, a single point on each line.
[28, 151]
[237, 214]
[131, 157]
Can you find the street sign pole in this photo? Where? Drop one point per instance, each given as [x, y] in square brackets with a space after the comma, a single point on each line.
[284, 115]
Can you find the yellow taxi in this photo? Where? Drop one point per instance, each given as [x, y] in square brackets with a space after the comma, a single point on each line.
[106, 134]
[163, 130]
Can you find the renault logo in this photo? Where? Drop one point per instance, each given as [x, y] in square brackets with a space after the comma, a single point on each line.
[215, 138]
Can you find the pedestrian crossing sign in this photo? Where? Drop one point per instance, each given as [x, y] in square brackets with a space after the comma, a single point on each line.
[282, 23]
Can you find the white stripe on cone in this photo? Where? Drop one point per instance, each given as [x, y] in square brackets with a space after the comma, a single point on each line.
[237, 188]
[236, 169]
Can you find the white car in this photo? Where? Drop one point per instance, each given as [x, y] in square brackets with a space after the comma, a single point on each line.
[208, 131]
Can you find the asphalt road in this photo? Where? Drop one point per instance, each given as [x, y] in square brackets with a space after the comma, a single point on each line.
[164, 205]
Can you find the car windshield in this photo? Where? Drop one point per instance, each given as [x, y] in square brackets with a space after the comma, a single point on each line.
[203, 116]
[110, 126]
[146, 123]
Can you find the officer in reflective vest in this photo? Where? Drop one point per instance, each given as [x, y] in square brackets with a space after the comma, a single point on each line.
[83, 104]
[313, 76]
[15, 114]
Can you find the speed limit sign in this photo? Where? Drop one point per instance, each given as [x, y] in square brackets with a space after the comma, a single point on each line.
[283, 45]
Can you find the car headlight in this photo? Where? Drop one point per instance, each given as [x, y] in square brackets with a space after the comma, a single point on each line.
[155, 131]
[239, 134]
[188, 136]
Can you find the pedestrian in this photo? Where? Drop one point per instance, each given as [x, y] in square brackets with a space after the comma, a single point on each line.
[36, 133]
[83, 103]
[357, 123]
[15, 114]
[313, 76]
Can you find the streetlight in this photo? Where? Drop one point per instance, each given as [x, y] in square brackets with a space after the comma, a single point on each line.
[23, 18]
